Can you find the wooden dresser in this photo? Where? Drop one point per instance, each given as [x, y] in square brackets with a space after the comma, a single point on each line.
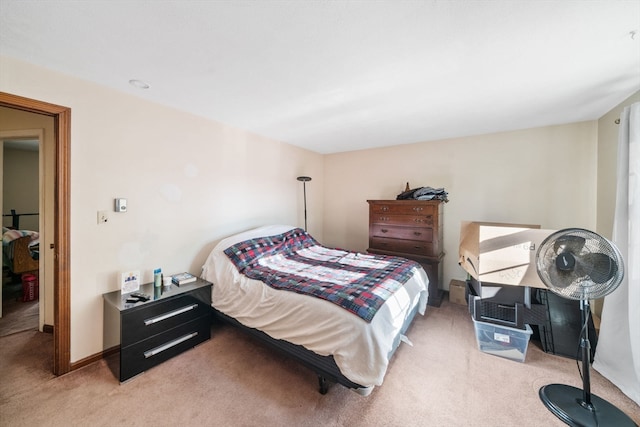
[411, 229]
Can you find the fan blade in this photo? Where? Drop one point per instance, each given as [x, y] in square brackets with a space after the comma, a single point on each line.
[569, 243]
[602, 267]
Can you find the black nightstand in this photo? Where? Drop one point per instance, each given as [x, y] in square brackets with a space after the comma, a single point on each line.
[174, 320]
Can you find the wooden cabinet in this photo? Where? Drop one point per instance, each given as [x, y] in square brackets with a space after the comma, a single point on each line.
[172, 321]
[411, 229]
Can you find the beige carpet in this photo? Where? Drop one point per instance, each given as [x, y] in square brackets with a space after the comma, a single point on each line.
[18, 316]
[231, 380]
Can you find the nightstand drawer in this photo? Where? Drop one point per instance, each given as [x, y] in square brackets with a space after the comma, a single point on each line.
[146, 354]
[404, 233]
[402, 246]
[146, 321]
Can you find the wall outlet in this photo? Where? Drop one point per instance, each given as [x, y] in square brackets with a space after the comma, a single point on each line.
[103, 217]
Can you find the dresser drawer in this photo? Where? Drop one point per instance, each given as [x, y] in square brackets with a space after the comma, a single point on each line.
[424, 234]
[409, 220]
[403, 208]
[147, 321]
[403, 246]
[145, 354]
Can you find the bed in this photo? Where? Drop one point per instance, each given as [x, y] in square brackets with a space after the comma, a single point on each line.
[261, 283]
[20, 250]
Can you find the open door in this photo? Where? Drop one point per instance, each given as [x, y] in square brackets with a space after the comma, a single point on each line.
[61, 245]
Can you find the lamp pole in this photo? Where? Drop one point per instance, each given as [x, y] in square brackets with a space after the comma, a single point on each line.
[304, 180]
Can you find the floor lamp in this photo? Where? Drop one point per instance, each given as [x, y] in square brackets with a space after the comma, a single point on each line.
[304, 180]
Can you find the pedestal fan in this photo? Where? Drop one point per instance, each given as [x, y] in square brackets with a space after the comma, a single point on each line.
[580, 265]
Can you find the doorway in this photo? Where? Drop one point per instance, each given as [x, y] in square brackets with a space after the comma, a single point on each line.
[24, 191]
[60, 248]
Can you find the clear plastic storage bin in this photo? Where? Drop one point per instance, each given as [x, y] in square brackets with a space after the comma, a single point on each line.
[503, 341]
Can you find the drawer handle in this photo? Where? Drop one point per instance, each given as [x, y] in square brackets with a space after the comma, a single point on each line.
[417, 209]
[169, 314]
[384, 218]
[384, 230]
[384, 208]
[417, 247]
[167, 346]
[417, 233]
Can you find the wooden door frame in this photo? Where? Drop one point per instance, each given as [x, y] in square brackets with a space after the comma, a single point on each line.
[62, 245]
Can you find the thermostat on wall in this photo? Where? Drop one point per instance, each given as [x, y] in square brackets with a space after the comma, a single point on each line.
[121, 205]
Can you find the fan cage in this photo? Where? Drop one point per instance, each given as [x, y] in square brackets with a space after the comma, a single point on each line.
[579, 283]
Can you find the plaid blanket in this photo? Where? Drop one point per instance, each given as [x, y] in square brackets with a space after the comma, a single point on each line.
[295, 261]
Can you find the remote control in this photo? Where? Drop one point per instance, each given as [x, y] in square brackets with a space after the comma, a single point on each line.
[141, 296]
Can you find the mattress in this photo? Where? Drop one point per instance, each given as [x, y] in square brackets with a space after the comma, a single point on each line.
[361, 349]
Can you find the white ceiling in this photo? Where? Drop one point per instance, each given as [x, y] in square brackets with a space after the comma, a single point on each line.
[334, 76]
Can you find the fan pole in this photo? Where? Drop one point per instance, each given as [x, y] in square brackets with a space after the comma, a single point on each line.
[586, 355]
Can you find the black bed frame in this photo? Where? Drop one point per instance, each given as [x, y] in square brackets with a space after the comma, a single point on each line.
[324, 366]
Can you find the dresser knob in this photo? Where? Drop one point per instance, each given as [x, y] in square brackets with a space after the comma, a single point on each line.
[384, 208]
[417, 209]
[384, 230]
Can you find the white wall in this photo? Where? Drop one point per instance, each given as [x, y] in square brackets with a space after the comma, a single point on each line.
[543, 176]
[20, 173]
[189, 182]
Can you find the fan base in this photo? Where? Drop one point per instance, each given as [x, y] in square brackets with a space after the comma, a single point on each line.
[567, 403]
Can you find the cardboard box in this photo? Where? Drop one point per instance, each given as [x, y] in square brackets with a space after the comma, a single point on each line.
[457, 290]
[501, 253]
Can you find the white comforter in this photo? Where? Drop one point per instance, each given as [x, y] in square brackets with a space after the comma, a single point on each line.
[360, 349]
